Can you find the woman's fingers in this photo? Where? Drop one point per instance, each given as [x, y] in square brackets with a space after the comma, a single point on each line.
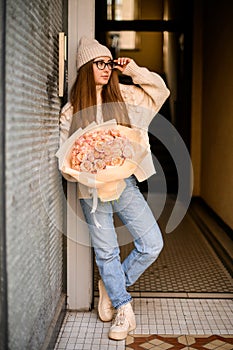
[122, 62]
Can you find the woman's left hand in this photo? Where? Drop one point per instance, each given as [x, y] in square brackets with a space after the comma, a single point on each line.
[122, 62]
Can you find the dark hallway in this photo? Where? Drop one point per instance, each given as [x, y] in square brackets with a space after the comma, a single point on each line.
[184, 260]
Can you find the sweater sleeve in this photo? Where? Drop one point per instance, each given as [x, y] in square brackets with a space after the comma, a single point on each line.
[65, 122]
[150, 92]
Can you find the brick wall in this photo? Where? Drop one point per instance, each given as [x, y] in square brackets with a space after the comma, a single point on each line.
[34, 210]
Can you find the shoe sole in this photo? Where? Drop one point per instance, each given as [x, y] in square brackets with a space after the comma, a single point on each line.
[101, 297]
[122, 335]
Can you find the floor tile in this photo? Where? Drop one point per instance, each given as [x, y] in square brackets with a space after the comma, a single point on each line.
[159, 342]
[187, 267]
[179, 321]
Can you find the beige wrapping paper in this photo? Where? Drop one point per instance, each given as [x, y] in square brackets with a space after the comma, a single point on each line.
[109, 183]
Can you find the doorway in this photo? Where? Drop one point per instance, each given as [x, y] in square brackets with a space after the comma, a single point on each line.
[157, 35]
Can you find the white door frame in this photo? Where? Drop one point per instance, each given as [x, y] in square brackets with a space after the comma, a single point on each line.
[81, 20]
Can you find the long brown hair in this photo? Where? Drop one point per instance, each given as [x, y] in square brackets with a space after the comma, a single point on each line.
[83, 99]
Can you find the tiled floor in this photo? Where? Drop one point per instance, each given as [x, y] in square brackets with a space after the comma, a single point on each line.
[160, 316]
[183, 301]
[187, 264]
[191, 342]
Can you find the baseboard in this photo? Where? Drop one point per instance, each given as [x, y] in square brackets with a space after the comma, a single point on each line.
[218, 234]
[54, 328]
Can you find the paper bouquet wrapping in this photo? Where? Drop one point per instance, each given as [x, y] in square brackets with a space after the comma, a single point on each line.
[102, 156]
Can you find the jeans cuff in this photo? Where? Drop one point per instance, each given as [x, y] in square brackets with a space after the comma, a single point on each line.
[123, 303]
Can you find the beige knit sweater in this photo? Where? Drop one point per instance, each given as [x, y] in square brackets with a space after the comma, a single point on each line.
[143, 103]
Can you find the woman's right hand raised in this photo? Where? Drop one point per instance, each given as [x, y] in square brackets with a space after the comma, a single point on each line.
[121, 63]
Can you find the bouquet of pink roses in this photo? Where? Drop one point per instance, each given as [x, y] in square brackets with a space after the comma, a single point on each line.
[97, 150]
[102, 156]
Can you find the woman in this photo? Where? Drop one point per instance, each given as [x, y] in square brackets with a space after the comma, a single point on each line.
[97, 96]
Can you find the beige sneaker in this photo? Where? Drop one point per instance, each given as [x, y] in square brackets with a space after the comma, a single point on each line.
[105, 308]
[123, 323]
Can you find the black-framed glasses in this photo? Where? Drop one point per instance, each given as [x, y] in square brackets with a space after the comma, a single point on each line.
[101, 64]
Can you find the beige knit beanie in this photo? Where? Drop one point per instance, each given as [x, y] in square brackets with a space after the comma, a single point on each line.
[89, 49]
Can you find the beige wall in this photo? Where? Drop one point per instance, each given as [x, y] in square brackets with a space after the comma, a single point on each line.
[196, 109]
[216, 186]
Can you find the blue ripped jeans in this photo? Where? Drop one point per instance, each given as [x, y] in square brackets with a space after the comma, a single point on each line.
[136, 215]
